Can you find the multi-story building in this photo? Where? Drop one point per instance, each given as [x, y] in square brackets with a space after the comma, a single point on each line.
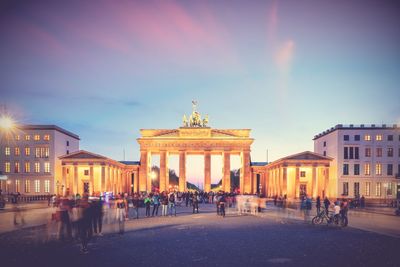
[366, 160]
[29, 158]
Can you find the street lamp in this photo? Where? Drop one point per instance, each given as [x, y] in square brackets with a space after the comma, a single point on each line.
[7, 123]
[58, 185]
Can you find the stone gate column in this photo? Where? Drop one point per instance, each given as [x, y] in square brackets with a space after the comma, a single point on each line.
[182, 171]
[284, 181]
[314, 186]
[246, 171]
[226, 179]
[91, 178]
[64, 180]
[103, 178]
[207, 171]
[163, 170]
[143, 170]
[75, 183]
[297, 183]
[326, 183]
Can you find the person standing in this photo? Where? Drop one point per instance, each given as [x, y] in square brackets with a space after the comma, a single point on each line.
[196, 202]
[171, 204]
[120, 207]
[84, 223]
[318, 204]
[164, 203]
[156, 204]
[135, 202]
[98, 216]
[327, 203]
[222, 203]
[147, 204]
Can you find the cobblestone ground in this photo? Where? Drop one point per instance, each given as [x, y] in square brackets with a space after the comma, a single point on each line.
[205, 240]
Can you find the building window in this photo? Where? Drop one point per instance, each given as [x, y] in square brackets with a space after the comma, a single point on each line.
[17, 185]
[357, 137]
[302, 174]
[367, 189]
[324, 143]
[46, 137]
[17, 151]
[16, 167]
[346, 153]
[27, 166]
[37, 186]
[367, 169]
[42, 152]
[46, 152]
[36, 137]
[389, 189]
[367, 152]
[357, 153]
[390, 137]
[356, 169]
[27, 186]
[325, 153]
[399, 152]
[351, 152]
[86, 172]
[357, 190]
[390, 152]
[67, 143]
[367, 137]
[7, 151]
[37, 167]
[17, 137]
[378, 137]
[27, 151]
[67, 152]
[379, 152]
[390, 169]
[345, 169]
[378, 169]
[7, 167]
[345, 188]
[27, 137]
[47, 186]
[346, 137]
[47, 167]
[378, 189]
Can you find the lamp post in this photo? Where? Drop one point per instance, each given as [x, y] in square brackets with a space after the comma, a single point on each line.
[58, 185]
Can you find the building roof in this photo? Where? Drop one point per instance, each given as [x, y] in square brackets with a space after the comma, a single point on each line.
[130, 162]
[357, 127]
[263, 163]
[47, 127]
[82, 154]
[306, 155]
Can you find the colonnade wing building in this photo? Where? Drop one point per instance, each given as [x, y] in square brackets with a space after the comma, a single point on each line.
[366, 159]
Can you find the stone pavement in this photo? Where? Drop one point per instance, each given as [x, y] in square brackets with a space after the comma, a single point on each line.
[205, 239]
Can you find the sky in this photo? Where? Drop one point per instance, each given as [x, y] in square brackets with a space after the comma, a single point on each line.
[287, 70]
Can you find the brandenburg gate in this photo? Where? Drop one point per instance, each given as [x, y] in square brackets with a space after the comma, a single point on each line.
[194, 138]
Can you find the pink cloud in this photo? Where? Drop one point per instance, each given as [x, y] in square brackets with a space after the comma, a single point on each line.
[284, 56]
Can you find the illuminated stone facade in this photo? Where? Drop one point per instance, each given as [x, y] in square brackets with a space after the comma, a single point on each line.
[84, 171]
[194, 141]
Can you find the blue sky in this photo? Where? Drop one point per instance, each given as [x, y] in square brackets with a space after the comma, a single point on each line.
[285, 69]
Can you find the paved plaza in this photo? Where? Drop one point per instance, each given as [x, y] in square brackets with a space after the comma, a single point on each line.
[274, 237]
